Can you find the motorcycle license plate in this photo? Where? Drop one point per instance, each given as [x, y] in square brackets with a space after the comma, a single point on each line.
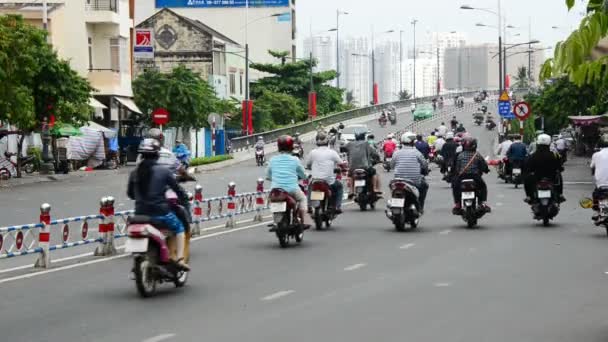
[388, 160]
[278, 207]
[396, 202]
[517, 172]
[604, 207]
[468, 195]
[317, 196]
[544, 194]
[359, 183]
[136, 245]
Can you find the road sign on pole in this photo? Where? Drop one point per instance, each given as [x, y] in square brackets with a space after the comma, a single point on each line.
[143, 48]
[504, 105]
[160, 116]
[522, 110]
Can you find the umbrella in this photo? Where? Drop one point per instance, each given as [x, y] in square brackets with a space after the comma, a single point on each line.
[65, 130]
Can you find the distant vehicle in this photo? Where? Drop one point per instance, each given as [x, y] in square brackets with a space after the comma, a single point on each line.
[424, 111]
[348, 133]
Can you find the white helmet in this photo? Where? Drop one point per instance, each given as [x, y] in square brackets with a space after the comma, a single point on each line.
[440, 134]
[543, 139]
[390, 136]
[408, 138]
[449, 135]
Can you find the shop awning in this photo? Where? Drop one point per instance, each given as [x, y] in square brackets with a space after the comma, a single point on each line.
[586, 120]
[108, 133]
[96, 104]
[127, 102]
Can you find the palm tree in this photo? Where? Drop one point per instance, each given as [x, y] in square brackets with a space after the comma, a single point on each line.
[522, 80]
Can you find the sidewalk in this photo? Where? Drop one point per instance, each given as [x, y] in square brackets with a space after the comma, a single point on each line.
[37, 178]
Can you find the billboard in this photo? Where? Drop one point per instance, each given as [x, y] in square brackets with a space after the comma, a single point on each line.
[143, 48]
[220, 3]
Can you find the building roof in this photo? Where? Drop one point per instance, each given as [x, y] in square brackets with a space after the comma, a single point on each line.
[194, 23]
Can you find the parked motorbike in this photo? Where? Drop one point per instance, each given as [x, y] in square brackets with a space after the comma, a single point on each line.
[286, 223]
[403, 207]
[364, 190]
[28, 163]
[322, 203]
[471, 210]
[545, 204]
[259, 157]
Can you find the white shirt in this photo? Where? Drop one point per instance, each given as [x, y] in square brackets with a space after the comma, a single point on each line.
[323, 161]
[439, 144]
[599, 161]
[442, 130]
[503, 148]
[560, 144]
[413, 107]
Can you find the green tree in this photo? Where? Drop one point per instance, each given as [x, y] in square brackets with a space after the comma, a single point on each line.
[521, 80]
[404, 95]
[276, 109]
[350, 98]
[188, 98]
[34, 82]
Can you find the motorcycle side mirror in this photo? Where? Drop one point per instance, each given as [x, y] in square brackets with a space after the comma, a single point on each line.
[586, 203]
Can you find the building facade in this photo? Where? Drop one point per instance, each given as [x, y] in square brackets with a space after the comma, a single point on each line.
[356, 70]
[264, 25]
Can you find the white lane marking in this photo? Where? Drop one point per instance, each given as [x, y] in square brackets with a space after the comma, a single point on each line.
[445, 232]
[354, 267]
[606, 272]
[499, 204]
[277, 295]
[159, 338]
[501, 196]
[407, 245]
[442, 284]
[575, 183]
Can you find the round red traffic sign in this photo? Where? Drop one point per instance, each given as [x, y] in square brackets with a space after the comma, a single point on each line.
[19, 240]
[66, 233]
[522, 110]
[85, 229]
[160, 116]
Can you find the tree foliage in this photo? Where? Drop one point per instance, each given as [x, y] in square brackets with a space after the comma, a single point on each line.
[188, 98]
[34, 82]
[521, 80]
[276, 109]
[404, 95]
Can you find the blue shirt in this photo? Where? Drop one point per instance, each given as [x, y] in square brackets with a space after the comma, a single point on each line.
[284, 171]
[423, 147]
[517, 151]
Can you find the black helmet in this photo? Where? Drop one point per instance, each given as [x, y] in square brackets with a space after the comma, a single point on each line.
[341, 126]
[149, 147]
[469, 144]
[360, 135]
[285, 143]
[371, 137]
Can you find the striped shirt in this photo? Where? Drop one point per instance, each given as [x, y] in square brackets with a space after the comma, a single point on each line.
[408, 163]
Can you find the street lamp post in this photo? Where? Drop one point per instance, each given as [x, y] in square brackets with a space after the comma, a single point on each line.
[414, 21]
[338, 13]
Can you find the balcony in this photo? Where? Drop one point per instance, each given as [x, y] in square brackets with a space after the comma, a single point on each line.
[102, 12]
[105, 80]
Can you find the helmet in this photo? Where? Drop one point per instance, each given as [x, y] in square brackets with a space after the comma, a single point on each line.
[469, 144]
[371, 137]
[408, 138]
[390, 136]
[439, 134]
[359, 135]
[285, 143]
[454, 117]
[155, 133]
[539, 132]
[297, 134]
[449, 135]
[341, 126]
[419, 137]
[260, 138]
[543, 139]
[443, 124]
[149, 147]
[457, 140]
[322, 139]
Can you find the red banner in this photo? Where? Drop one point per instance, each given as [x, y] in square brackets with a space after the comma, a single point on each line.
[375, 93]
[250, 115]
[312, 104]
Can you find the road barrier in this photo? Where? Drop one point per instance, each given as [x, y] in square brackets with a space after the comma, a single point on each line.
[50, 235]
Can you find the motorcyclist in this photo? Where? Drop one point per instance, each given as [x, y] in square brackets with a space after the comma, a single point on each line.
[361, 155]
[532, 147]
[382, 116]
[442, 129]
[542, 164]
[460, 128]
[166, 156]
[259, 145]
[516, 154]
[410, 165]
[431, 139]
[439, 142]
[147, 186]
[599, 169]
[470, 165]
[413, 107]
[371, 140]
[323, 161]
[562, 147]
[284, 171]
[448, 152]
[503, 147]
[389, 146]
[422, 146]
[454, 122]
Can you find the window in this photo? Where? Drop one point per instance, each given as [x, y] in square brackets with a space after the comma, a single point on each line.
[90, 53]
[241, 83]
[115, 54]
[232, 84]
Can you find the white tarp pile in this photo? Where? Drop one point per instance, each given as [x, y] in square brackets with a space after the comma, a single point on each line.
[89, 146]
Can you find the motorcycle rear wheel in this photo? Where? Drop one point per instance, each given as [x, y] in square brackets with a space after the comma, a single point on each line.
[30, 168]
[546, 221]
[144, 274]
[318, 219]
[283, 239]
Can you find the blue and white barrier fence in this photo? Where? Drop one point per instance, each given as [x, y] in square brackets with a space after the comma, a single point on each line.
[49, 235]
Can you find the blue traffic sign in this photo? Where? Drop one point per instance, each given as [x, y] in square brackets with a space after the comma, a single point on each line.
[504, 108]
[509, 116]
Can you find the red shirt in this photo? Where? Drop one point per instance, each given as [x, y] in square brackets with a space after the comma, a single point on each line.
[389, 147]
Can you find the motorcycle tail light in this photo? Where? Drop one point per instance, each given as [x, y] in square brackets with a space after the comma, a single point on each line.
[398, 186]
[137, 230]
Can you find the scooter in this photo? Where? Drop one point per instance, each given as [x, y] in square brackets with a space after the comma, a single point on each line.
[364, 190]
[478, 121]
[28, 163]
[545, 205]
[387, 162]
[402, 207]
[259, 157]
[599, 204]
[286, 223]
[392, 117]
[516, 176]
[490, 125]
[322, 204]
[471, 210]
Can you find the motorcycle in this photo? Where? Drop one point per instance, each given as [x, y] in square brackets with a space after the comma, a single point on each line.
[478, 121]
[432, 154]
[447, 176]
[387, 162]
[259, 157]
[382, 121]
[545, 205]
[154, 249]
[516, 174]
[297, 151]
[322, 204]
[403, 207]
[501, 169]
[490, 125]
[471, 210]
[392, 117]
[286, 223]
[28, 163]
[364, 190]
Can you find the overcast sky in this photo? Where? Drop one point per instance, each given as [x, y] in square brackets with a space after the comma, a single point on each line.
[440, 16]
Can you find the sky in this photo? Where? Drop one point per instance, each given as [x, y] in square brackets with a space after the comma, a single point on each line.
[439, 16]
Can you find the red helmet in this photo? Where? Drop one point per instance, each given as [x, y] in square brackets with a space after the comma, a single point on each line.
[285, 143]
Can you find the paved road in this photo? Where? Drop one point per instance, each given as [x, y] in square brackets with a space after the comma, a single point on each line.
[510, 280]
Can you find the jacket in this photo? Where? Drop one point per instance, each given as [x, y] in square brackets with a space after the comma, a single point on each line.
[153, 202]
[517, 151]
[543, 163]
[361, 155]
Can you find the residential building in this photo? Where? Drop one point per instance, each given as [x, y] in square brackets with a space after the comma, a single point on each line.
[185, 41]
[323, 49]
[271, 23]
[426, 76]
[387, 71]
[356, 70]
[95, 37]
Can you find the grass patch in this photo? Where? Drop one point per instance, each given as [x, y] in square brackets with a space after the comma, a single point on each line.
[209, 160]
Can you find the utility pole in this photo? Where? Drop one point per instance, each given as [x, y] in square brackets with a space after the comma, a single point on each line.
[414, 90]
[400, 62]
[338, 12]
[46, 167]
[438, 78]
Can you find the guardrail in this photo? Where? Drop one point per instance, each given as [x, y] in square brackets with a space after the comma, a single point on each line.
[241, 143]
[50, 235]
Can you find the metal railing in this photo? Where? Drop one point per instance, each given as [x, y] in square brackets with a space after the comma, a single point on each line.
[102, 5]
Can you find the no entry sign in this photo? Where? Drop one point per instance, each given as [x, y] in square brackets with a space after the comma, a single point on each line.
[160, 116]
[522, 110]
